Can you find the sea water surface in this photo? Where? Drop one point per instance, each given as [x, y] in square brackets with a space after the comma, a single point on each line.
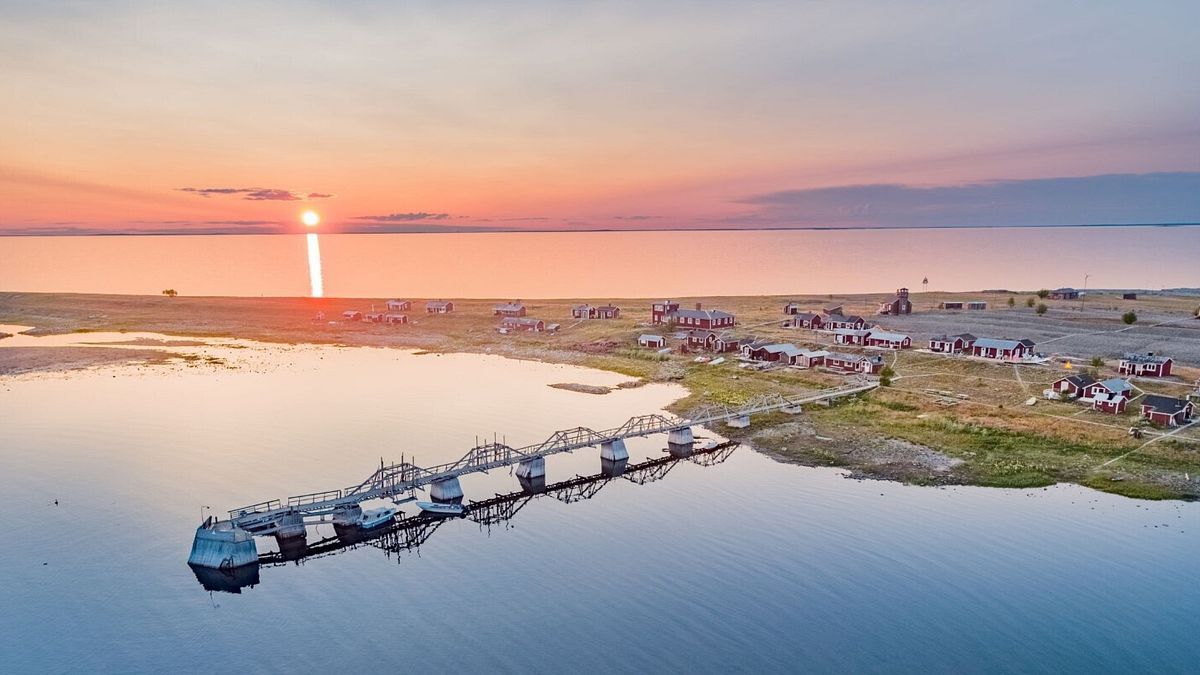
[607, 264]
[744, 566]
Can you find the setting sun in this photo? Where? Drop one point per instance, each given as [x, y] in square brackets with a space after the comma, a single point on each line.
[310, 218]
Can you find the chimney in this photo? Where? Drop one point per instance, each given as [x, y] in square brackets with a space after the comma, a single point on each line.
[697, 305]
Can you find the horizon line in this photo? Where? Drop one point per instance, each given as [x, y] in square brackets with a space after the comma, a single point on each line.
[504, 230]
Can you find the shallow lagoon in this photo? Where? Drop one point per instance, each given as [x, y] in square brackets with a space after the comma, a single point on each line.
[748, 565]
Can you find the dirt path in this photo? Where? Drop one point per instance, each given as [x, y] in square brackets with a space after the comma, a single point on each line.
[1156, 438]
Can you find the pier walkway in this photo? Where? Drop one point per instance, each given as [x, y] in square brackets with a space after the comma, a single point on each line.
[408, 533]
[397, 479]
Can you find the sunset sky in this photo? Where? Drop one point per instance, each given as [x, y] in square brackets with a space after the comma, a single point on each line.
[160, 116]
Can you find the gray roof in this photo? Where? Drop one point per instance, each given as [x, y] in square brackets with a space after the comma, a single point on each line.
[519, 320]
[1164, 404]
[1116, 385]
[649, 337]
[1145, 358]
[853, 358]
[890, 337]
[703, 314]
[1081, 380]
[965, 337]
[997, 343]
[509, 306]
[858, 332]
[850, 318]
[809, 353]
[438, 303]
[781, 348]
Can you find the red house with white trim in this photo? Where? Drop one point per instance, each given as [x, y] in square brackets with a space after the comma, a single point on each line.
[511, 323]
[594, 312]
[840, 322]
[706, 319]
[509, 309]
[805, 320]
[660, 312]
[1073, 385]
[952, 344]
[846, 336]
[1145, 365]
[1166, 411]
[900, 304]
[887, 340]
[853, 363]
[1002, 349]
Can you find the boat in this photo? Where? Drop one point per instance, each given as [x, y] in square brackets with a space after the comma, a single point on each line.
[439, 509]
[375, 517]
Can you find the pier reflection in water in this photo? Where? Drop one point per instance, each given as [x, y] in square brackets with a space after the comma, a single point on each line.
[408, 533]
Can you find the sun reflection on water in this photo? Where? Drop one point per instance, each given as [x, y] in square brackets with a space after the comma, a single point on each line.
[316, 282]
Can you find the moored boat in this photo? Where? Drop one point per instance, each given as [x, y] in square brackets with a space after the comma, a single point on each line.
[376, 517]
[439, 509]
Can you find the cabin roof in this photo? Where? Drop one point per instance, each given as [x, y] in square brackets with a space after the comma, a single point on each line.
[998, 343]
[1080, 380]
[710, 314]
[1116, 385]
[1145, 358]
[1164, 404]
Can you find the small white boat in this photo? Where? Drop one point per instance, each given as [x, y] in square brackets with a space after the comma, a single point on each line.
[439, 509]
[376, 517]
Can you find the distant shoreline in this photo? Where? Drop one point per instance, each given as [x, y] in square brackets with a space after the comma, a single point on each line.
[64, 232]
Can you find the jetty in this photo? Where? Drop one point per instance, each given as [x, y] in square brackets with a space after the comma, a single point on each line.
[409, 532]
[229, 543]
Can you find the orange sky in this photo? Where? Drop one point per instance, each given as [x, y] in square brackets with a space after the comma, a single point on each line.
[556, 116]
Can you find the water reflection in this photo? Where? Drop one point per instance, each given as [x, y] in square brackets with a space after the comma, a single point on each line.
[408, 533]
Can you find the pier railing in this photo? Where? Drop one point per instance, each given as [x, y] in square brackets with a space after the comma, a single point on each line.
[395, 479]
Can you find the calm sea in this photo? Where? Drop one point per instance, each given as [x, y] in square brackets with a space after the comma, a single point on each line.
[744, 566]
[608, 264]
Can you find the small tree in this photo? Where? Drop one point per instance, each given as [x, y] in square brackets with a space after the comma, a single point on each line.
[1044, 293]
[1097, 362]
[170, 292]
[885, 376]
[1030, 302]
[1129, 317]
[1041, 309]
[1012, 302]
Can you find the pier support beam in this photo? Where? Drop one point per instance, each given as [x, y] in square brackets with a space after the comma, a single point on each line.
[614, 450]
[681, 450]
[347, 516]
[682, 436]
[532, 468]
[534, 485]
[222, 546]
[290, 525]
[791, 410]
[738, 422]
[613, 467]
[448, 490]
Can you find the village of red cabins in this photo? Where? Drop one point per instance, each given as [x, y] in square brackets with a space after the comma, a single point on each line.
[709, 330]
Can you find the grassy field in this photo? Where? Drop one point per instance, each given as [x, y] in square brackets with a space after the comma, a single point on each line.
[942, 420]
